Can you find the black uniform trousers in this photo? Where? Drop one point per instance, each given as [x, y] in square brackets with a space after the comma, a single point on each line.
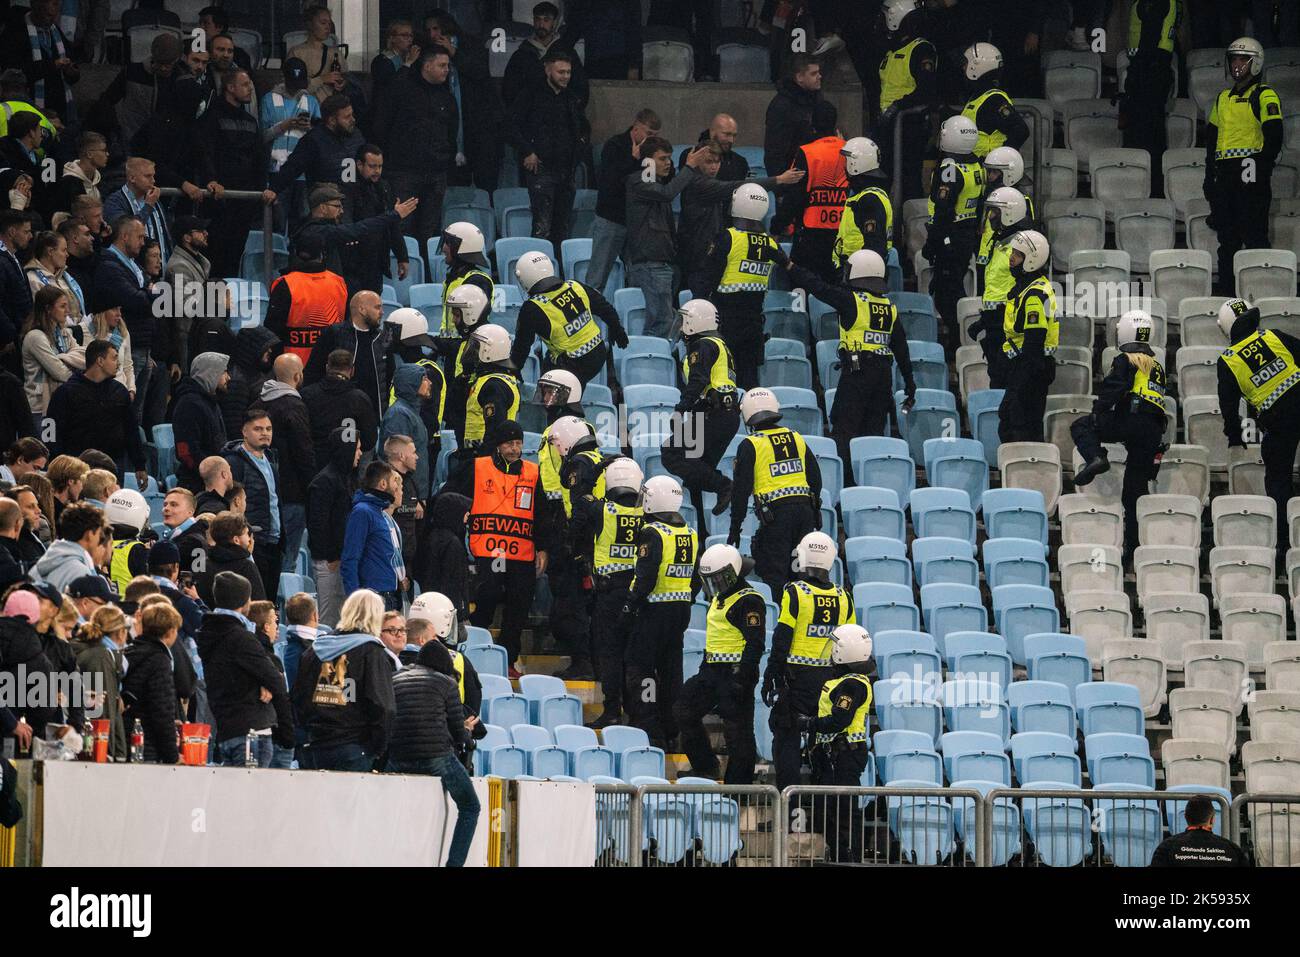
[744, 336]
[802, 691]
[813, 249]
[1240, 213]
[267, 556]
[585, 367]
[916, 133]
[1142, 115]
[512, 589]
[716, 688]
[570, 605]
[610, 640]
[947, 282]
[1278, 447]
[1142, 434]
[774, 542]
[694, 456]
[841, 764]
[863, 399]
[654, 667]
[1020, 416]
[991, 345]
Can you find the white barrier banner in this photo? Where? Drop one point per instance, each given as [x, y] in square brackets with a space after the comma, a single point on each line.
[557, 824]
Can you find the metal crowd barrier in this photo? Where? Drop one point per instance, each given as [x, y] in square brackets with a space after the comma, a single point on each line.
[268, 225]
[1267, 826]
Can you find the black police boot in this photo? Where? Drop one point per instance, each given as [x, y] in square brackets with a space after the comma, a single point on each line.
[606, 719]
[579, 670]
[1091, 469]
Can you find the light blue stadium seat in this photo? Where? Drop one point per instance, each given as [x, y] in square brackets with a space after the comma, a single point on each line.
[630, 304]
[827, 353]
[692, 658]
[516, 222]
[933, 416]
[633, 754]
[510, 248]
[975, 755]
[643, 395]
[970, 704]
[1109, 706]
[489, 659]
[164, 441]
[916, 659]
[929, 366]
[1006, 822]
[1119, 759]
[636, 367]
[923, 824]
[982, 419]
[1042, 756]
[414, 276]
[916, 314]
[878, 559]
[914, 763]
[945, 560]
[881, 607]
[427, 297]
[292, 584]
[583, 223]
[889, 642]
[1131, 830]
[832, 469]
[1015, 561]
[906, 705]
[501, 705]
[788, 371]
[575, 255]
[799, 410]
[943, 512]
[886, 743]
[500, 757]
[587, 757]
[1175, 810]
[544, 758]
[1042, 706]
[1015, 513]
[978, 653]
[435, 260]
[718, 828]
[957, 463]
[480, 216]
[1061, 829]
[782, 320]
[783, 347]
[1059, 658]
[1020, 610]
[549, 702]
[884, 462]
[468, 196]
[872, 511]
[949, 608]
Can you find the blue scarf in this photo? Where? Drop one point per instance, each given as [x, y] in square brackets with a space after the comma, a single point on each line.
[169, 533]
[233, 614]
[329, 647]
[45, 41]
[130, 264]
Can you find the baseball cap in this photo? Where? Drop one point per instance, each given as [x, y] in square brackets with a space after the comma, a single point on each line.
[163, 553]
[91, 586]
[48, 592]
[325, 193]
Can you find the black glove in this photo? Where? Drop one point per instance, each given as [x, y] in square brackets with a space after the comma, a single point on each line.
[733, 538]
[479, 731]
[975, 330]
[771, 688]
[619, 336]
[909, 400]
[803, 722]
[817, 517]
[931, 249]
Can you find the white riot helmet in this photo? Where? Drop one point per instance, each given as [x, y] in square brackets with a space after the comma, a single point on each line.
[865, 264]
[487, 344]
[896, 11]
[465, 242]
[1033, 245]
[698, 316]
[468, 304]
[437, 609]
[1010, 204]
[759, 408]
[532, 268]
[623, 475]
[981, 59]
[1134, 326]
[127, 507]
[851, 645]
[566, 432]
[749, 201]
[1229, 313]
[558, 387]
[1008, 161]
[412, 326]
[660, 495]
[861, 156]
[958, 135]
[1247, 47]
[719, 568]
[815, 553]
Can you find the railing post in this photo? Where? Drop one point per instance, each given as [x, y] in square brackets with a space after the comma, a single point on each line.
[896, 186]
[635, 826]
[268, 250]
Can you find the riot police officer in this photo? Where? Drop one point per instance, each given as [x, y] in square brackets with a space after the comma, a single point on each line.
[799, 664]
[469, 307]
[1030, 332]
[908, 78]
[1003, 166]
[410, 340]
[1129, 409]
[1152, 33]
[989, 108]
[734, 637]
[128, 513]
[1007, 211]
[773, 465]
[868, 218]
[494, 387]
[440, 612]
[953, 224]
[465, 252]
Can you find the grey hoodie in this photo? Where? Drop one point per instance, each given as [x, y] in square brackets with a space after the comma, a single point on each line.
[63, 564]
[206, 370]
[272, 390]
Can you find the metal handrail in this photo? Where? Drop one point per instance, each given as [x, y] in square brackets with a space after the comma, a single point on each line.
[896, 187]
[268, 220]
[1236, 831]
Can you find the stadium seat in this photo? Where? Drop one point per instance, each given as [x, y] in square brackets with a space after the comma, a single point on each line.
[1057, 657]
[1109, 706]
[933, 416]
[1271, 767]
[1197, 368]
[972, 370]
[979, 654]
[787, 371]
[1086, 520]
[911, 660]
[1120, 176]
[1142, 226]
[634, 757]
[1197, 317]
[1071, 75]
[1274, 716]
[1015, 561]
[1060, 827]
[1035, 465]
[929, 366]
[496, 755]
[1015, 513]
[1042, 706]
[879, 559]
[1253, 620]
[970, 704]
[1282, 666]
[1060, 169]
[1166, 568]
[1179, 274]
[916, 315]
[1216, 666]
[501, 706]
[1040, 756]
[1090, 125]
[939, 559]
[1246, 470]
[905, 705]
[882, 606]
[799, 410]
[1139, 663]
[1074, 224]
[1244, 520]
[1241, 569]
[508, 250]
[1098, 617]
[1185, 470]
[587, 758]
[742, 63]
[1184, 175]
[949, 608]
[544, 758]
[488, 659]
[1174, 620]
[982, 419]
[1131, 829]
[1166, 520]
[957, 463]
[871, 511]
[549, 702]
[884, 463]
[1261, 273]
[1119, 759]
[1090, 567]
[975, 755]
[943, 512]
[1021, 610]
[1200, 715]
[1195, 764]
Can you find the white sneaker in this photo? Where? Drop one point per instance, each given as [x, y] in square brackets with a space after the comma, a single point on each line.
[828, 44]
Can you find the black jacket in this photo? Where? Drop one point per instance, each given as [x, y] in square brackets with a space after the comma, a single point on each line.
[429, 722]
[367, 717]
[291, 440]
[525, 69]
[228, 558]
[15, 297]
[231, 149]
[442, 563]
[706, 211]
[15, 410]
[96, 415]
[788, 125]
[333, 403]
[551, 124]
[11, 569]
[209, 501]
[258, 509]
[199, 429]
[212, 334]
[534, 324]
[329, 500]
[247, 373]
[63, 660]
[370, 372]
[21, 655]
[235, 669]
[1196, 847]
[337, 238]
[416, 125]
[116, 285]
[365, 260]
[149, 696]
[616, 164]
[320, 156]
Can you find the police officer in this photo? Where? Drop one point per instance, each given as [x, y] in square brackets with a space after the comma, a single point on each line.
[1003, 166]
[411, 343]
[774, 465]
[560, 313]
[558, 394]
[1243, 137]
[799, 664]
[953, 224]
[464, 251]
[989, 108]
[1152, 32]
[840, 731]
[1198, 846]
[738, 267]
[734, 638]
[1006, 213]
[494, 389]
[1129, 409]
[658, 609]
[439, 611]
[816, 210]
[871, 341]
[1030, 332]
[608, 529]
[128, 513]
[1262, 367]
[907, 80]
[709, 398]
[868, 218]
[469, 307]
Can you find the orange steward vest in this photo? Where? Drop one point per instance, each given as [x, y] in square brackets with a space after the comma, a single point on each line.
[502, 514]
[317, 300]
[826, 183]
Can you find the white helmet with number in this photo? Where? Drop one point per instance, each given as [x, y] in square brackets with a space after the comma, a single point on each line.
[958, 135]
[861, 155]
[1134, 326]
[623, 474]
[127, 507]
[698, 316]
[435, 608]
[566, 432]
[1229, 313]
[412, 327]
[468, 304]
[816, 551]
[531, 268]
[757, 405]
[896, 10]
[866, 264]
[465, 240]
[719, 568]
[982, 58]
[851, 645]
[491, 343]
[1008, 161]
[558, 387]
[660, 495]
[1033, 245]
[1247, 47]
[749, 201]
[1010, 204]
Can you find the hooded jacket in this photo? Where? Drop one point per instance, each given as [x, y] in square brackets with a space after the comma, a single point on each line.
[428, 722]
[149, 695]
[329, 496]
[235, 668]
[367, 716]
[197, 424]
[247, 373]
[96, 415]
[442, 562]
[368, 546]
[184, 268]
[228, 558]
[334, 403]
[291, 439]
[21, 655]
[244, 470]
[75, 182]
[370, 368]
[63, 564]
[403, 418]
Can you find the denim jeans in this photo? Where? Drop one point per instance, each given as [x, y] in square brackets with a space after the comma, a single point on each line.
[341, 757]
[460, 789]
[293, 522]
[329, 592]
[655, 281]
[233, 752]
[550, 195]
[282, 757]
[606, 246]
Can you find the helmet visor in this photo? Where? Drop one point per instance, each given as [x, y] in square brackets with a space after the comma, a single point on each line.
[717, 582]
[452, 638]
[675, 332]
[551, 394]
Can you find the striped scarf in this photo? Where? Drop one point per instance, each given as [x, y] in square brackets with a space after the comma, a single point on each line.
[54, 37]
[395, 534]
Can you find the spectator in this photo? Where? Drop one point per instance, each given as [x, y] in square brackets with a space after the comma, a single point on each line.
[611, 33]
[267, 627]
[99, 648]
[42, 519]
[107, 324]
[198, 425]
[11, 526]
[15, 189]
[223, 61]
[22, 458]
[288, 112]
[525, 69]
[400, 52]
[393, 634]
[139, 198]
[255, 465]
[321, 56]
[182, 529]
[83, 249]
[789, 122]
[39, 48]
[302, 625]
[19, 151]
[336, 403]
[324, 235]
[651, 259]
[93, 410]
[139, 91]
[246, 691]
[480, 137]
[412, 387]
[62, 658]
[372, 543]
[1198, 846]
[620, 157]
[417, 127]
[83, 175]
[188, 271]
[550, 131]
[120, 283]
[148, 687]
[250, 367]
[362, 337]
[21, 656]
[231, 551]
[15, 413]
[15, 293]
[68, 476]
[194, 89]
[400, 452]
[428, 735]
[99, 485]
[217, 485]
[324, 152]
[45, 342]
[48, 267]
[366, 259]
[344, 690]
[329, 496]
[291, 439]
[441, 562]
[164, 568]
[215, 22]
